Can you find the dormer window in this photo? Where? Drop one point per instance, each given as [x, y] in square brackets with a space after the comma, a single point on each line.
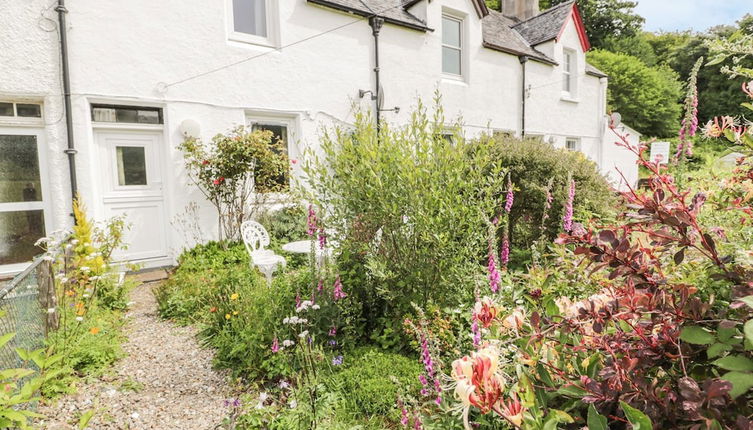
[252, 21]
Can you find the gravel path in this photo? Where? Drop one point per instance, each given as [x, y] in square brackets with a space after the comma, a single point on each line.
[166, 382]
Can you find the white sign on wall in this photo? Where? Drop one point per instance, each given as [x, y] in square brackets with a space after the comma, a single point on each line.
[660, 152]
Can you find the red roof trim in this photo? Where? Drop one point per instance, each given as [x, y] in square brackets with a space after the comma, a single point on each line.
[579, 27]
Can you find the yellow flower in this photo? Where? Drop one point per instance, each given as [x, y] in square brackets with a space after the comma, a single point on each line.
[234, 296]
[235, 312]
[227, 316]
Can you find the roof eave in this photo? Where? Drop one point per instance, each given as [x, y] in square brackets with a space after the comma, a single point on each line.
[364, 14]
[519, 53]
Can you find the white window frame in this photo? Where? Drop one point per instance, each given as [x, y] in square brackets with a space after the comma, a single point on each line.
[569, 73]
[271, 40]
[32, 127]
[291, 123]
[575, 141]
[461, 21]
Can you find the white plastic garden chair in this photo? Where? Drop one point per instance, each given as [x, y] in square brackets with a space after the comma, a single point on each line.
[256, 239]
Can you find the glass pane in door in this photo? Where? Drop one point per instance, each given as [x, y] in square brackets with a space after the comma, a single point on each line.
[19, 230]
[131, 165]
[19, 169]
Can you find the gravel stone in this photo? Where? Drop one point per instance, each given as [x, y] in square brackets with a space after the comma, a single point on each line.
[177, 388]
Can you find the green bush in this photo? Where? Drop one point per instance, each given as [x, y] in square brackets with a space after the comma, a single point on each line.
[430, 197]
[372, 379]
[532, 164]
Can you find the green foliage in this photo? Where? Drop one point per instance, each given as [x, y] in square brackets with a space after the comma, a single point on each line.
[532, 165]
[236, 168]
[19, 388]
[409, 209]
[372, 380]
[605, 19]
[647, 97]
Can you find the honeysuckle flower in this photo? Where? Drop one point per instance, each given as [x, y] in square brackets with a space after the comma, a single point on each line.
[748, 88]
[515, 320]
[478, 380]
[485, 311]
[513, 410]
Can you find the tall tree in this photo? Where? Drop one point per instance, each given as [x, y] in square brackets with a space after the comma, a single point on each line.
[646, 97]
[605, 19]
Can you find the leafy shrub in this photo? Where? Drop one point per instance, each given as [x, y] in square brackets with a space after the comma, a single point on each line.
[372, 380]
[647, 97]
[532, 165]
[409, 209]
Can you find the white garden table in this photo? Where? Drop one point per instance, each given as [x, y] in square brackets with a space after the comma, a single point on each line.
[304, 247]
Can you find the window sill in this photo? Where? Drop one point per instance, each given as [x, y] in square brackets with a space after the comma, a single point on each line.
[241, 39]
[454, 79]
[566, 97]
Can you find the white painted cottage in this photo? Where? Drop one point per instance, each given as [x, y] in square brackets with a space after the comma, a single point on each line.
[141, 72]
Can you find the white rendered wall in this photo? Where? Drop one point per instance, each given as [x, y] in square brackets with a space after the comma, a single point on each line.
[123, 52]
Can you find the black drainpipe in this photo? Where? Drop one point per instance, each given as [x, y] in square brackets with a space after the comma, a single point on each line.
[376, 25]
[71, 150]
[523, 60]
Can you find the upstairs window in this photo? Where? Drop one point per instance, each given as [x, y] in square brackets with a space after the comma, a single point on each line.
[568, 72]
[250, 17]
[27, 110]
[253, 21]
[452, 45]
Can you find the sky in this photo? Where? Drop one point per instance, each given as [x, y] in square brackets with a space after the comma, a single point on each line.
[696, 15]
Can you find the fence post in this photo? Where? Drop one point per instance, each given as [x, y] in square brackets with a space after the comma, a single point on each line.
[47, 297]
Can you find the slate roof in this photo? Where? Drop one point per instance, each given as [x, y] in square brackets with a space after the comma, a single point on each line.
[500, 32]
[499, 35]
[546, 25]
[393, 11]
[593, 71]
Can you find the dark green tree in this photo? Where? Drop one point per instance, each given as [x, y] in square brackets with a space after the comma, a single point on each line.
[605, 19]
[646, 97]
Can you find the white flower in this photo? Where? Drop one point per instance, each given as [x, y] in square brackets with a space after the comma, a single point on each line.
[79, 319]
[63, 280]
[74, 242]
[259, 405]
[284, 385]
[316, 307]
[69, 246]
[85, 269]
[303, 334]
[293, 404]
[47, 258]
[286, 320]
[263, 396]
[86, 295]
[287, 342]
[50, 310]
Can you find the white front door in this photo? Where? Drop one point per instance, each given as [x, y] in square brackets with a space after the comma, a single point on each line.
[131, 177]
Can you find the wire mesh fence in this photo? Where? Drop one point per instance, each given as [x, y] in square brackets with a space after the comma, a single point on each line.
[23, 310]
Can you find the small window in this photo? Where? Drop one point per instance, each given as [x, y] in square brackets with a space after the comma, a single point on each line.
[250, 17]
[279, 135]
[23, 110]
[126, 114]
[568, 72]
[452, 45]
[131, 161]
[572, 144]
